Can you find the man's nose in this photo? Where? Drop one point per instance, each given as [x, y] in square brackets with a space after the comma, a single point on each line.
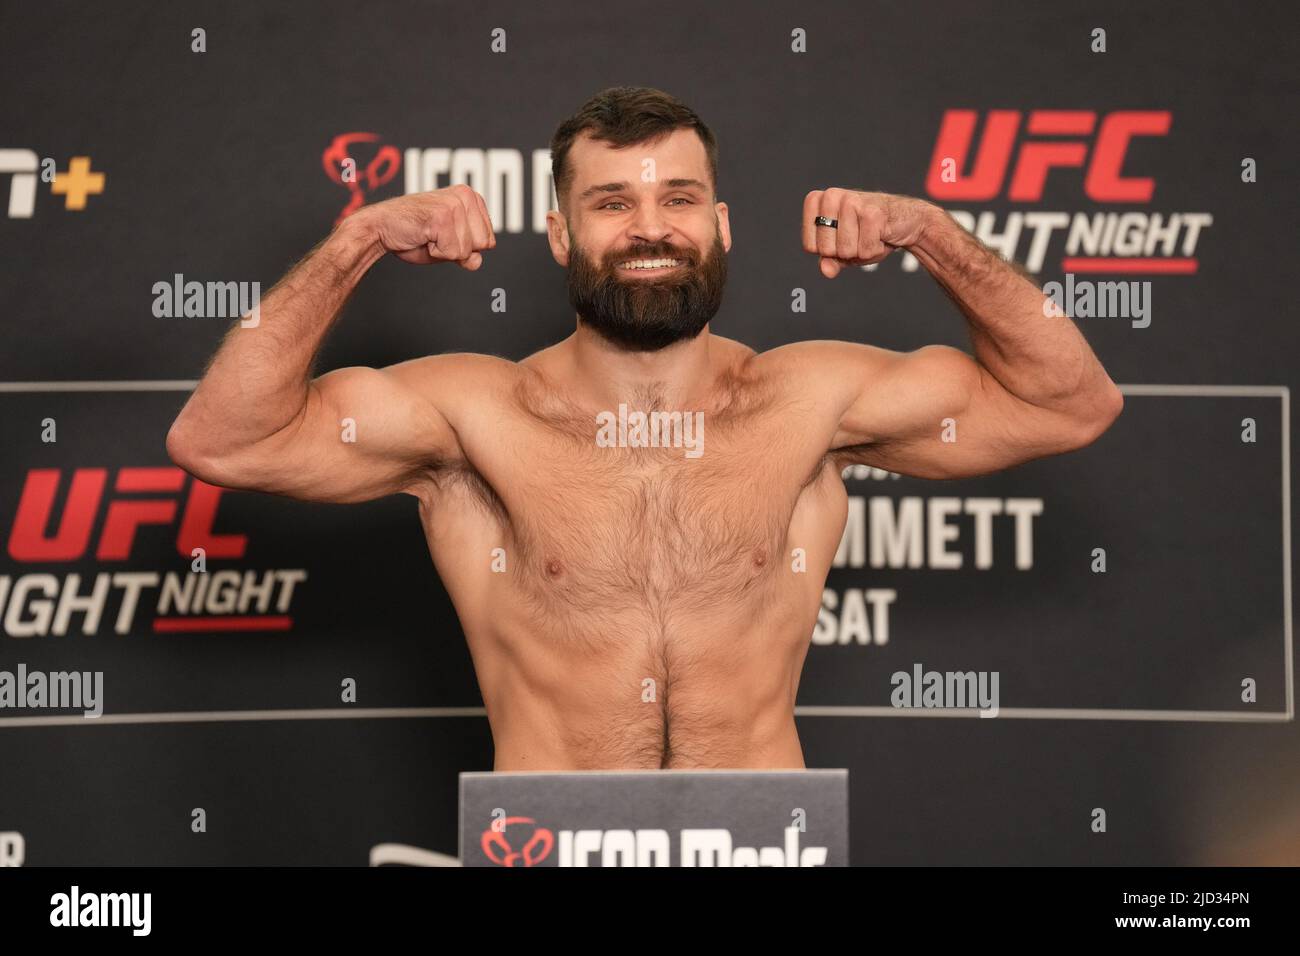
[649, 224]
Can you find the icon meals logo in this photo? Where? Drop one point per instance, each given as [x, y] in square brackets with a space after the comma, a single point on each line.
[362, 163]
[196, 599]
[359, 180]
[529, 844]
[534, 843]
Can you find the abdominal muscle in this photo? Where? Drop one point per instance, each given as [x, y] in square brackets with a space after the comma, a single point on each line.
[692, 671]
[707, 692]
[645, 612]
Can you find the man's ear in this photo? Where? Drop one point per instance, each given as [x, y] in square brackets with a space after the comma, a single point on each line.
[724, 225]
[557, 235]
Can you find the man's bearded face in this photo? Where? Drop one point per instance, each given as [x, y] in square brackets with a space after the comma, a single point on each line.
[644, 311]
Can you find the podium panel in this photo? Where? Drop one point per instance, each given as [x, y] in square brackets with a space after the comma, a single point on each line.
[655, 818]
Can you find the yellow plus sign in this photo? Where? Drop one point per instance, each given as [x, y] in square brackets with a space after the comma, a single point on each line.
[77, 183]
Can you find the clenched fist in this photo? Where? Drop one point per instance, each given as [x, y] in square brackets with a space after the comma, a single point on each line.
[443, 225]
[868, 226]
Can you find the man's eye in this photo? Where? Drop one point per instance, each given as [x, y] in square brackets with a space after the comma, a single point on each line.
[619, 202]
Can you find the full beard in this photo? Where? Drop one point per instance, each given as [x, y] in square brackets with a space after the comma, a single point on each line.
[645, 315]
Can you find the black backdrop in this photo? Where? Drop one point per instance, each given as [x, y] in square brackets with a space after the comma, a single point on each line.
[1120, 691]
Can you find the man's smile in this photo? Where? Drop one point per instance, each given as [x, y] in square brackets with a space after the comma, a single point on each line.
[650, 266]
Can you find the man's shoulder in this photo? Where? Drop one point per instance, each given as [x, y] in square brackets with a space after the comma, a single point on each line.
[793, 361]
[731, 348]
[452, 380]
[817, 358]
[461, 366]
[825, 373]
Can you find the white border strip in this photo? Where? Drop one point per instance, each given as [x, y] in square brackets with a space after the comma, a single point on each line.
[1051, 713]
[1021, 713]
[1211, 391]
[176, 385]
[811, 710]
[221, 716]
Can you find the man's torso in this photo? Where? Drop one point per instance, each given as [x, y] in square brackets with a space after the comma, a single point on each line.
[633, 607]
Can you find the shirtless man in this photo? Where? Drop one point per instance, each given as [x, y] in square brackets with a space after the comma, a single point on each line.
[646, 607]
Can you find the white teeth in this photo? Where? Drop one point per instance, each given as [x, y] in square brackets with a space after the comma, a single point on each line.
[649, 263]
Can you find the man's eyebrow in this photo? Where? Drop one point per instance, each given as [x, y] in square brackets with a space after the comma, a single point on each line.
[621, 187]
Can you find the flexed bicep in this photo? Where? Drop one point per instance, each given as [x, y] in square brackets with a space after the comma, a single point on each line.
[938, 413]
[362, 433]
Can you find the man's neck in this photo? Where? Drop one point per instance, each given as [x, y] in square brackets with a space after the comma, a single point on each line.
[677, 377]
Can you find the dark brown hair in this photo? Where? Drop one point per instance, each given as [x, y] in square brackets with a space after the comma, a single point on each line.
[623, 116]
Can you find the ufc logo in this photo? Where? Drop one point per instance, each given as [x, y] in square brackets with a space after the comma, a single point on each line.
[29, 541]
[1103, 182]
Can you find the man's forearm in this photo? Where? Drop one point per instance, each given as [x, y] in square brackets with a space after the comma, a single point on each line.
[258, 380]
[1041, 359]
